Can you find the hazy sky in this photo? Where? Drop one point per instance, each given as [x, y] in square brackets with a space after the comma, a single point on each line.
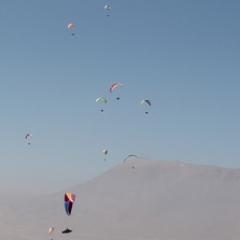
[183, 55]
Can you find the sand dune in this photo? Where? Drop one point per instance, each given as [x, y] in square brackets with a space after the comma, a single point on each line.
[165, 200]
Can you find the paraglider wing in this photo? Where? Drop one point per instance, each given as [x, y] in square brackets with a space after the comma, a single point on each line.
[71, 25]
[101, 100]
[28, 136]
[129, 156]
[69, 199]
[108, 7]
[115, 86]
[105, 151]
[146, 101]
[51, 230]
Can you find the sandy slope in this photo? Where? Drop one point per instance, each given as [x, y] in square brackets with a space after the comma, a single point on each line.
[156, 200]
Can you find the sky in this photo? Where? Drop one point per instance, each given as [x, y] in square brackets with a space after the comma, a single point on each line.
[182, 55]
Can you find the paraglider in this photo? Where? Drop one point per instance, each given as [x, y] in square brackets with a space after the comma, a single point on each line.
[28, 138]
[69, 199]
[101, 100]
[105, 152]
[115, 86]
[108, 9]
[147, 103]
[71, 26]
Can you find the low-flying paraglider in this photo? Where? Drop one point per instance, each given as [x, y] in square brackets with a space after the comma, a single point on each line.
[71, 26]
[101, 100]
[69, 199]
[28, 138]
[108, 9]
[147, 103]
[114, 87]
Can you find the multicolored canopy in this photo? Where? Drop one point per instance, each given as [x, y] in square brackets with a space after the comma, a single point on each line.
[69, 199]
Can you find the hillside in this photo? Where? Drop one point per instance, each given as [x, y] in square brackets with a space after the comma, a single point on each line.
[155, 200]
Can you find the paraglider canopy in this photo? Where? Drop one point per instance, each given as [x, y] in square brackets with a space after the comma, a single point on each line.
[51, 230]
[114, 86]
[71, 25]
[130, 156]
[101, 100]
[69, 199]
[108, 7]
[105, 151]
[146, 102]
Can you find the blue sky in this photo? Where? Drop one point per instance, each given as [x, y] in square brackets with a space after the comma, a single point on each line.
[182, 55]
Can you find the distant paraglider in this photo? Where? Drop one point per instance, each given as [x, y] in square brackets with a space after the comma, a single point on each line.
[28, 138]
[69, 199]
[147, 103]
[71, 26]
[114, 87]
[101, 100]
[108, 9]
[105, 152]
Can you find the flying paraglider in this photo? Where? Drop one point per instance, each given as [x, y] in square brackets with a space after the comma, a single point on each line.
[101, 100]
[28, 138]
[71, 26]
[146, 102]
[105, 152]
[69, 199]
[114, 87]
[108, 9]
